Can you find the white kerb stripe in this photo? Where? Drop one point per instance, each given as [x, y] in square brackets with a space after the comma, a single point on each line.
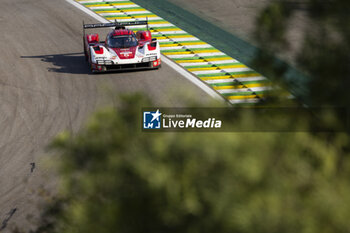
[89, 12]
[196, 54]
[179, 39]
[100, 7]
[207, 63]
[193, 79]
[237, 90]
[123, 13]
[159, 32]
[152, 25]
[230, 80]
[222, 71]
[112, 7]
[186, 47]
[135, 19]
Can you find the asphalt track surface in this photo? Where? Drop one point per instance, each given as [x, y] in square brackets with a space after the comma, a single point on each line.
[239, 17]
[46, 87]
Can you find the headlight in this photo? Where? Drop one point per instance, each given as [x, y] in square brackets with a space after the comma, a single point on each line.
[100, 62]
[153, 58]
[108, 62]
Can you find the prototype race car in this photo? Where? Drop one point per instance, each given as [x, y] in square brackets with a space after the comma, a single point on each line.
[122, 49]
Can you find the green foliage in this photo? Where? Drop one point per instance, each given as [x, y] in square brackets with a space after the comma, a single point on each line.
[116, 178]
[324, 54]
[272, 26]
[270, 33]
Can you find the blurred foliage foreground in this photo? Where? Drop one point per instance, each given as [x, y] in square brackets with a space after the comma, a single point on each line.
[323, 51]
[116, 178]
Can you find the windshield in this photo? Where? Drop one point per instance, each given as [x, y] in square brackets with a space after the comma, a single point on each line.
[126, 41]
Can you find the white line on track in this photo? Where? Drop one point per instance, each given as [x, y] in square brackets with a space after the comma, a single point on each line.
[87, 11]
[167, 61]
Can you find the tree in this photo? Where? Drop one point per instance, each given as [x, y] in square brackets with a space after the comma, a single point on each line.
[116, 178]
[324, 54]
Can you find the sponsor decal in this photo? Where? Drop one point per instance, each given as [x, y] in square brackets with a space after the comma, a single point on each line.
[126, 54]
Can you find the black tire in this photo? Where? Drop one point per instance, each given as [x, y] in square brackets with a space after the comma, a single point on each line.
[85, 55]
[88, 58]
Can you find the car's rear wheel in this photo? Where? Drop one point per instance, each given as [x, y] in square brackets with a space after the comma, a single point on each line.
[88, 59]
[86, 55]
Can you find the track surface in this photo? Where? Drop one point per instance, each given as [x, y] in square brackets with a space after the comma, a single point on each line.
[239, 17]
[45, 87]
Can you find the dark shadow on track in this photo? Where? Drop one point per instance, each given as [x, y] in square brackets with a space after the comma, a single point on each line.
[72, 63]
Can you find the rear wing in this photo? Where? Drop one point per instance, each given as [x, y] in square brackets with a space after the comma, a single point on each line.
[116, 24]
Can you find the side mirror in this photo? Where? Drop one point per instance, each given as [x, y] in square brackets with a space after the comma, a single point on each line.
[154, 39]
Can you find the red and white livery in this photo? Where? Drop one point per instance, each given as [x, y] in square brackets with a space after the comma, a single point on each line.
[122, 49]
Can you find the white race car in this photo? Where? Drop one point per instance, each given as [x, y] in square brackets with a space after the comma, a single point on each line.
[122, 49]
